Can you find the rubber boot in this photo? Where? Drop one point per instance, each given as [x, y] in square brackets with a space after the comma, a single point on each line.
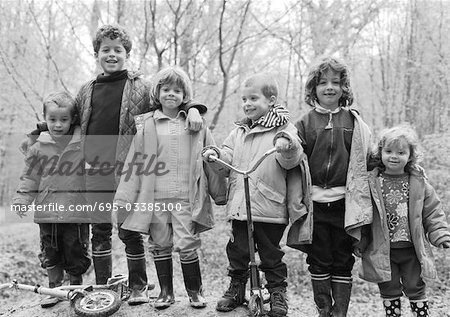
[55, 279]
[137, 281]
[75, 279]
[419, 307]
[322, 296]
[164, 269]
[193, 283]
[341, 293]
[278, 302]
[233, 297]
[102, 266]
[392, 307]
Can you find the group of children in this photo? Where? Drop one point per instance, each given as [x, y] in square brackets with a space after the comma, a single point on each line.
[319, 181]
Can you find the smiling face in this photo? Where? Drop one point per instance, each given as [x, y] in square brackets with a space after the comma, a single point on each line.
[254, 103]
[170, 96]
[329, 90]
[111, 55]
[395, 155]
[58, 120]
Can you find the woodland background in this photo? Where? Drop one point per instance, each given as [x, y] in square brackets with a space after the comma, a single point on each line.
[398, 52]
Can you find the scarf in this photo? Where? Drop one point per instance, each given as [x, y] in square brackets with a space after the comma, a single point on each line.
[276, 117]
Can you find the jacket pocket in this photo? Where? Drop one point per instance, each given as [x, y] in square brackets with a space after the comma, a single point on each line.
[269, 192]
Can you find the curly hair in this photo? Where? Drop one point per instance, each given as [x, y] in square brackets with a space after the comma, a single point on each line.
[318, 70]
[112, 32]
[62, 99]
[168, 76]
[393, 136]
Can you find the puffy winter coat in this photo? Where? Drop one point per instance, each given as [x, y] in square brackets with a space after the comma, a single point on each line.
[135, 101]
[52, 177]
[427, 223]
[275, 186]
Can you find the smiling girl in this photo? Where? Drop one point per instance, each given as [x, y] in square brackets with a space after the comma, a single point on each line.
[174, 206]
[336, 141]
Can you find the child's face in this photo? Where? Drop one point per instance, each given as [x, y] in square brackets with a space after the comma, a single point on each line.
[111, 55]
[329, 90]
[395, 156]
[254, 103]
[58, 120]
[170, 96]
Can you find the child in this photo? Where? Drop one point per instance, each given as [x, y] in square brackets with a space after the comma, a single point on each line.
[273, 199]
[107, 107]
[54, 175]
[172, 202]
[408, 216]
[336, 141]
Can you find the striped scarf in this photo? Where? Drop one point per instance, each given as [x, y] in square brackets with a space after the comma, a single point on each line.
[276, 117]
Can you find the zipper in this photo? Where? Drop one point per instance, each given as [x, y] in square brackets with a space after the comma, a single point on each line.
[329, 157]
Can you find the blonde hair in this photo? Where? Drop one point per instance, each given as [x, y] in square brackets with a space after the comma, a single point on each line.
[62, 99]
[168, 76]
[391, 136]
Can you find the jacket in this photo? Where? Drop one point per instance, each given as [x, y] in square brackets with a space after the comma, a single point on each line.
[135, 101]
[358, 204]
[53, 178]
[276, 185]
[427, 223]
[140, 189]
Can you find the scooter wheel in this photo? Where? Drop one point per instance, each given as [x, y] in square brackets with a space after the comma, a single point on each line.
[97, 303]
[255, 306]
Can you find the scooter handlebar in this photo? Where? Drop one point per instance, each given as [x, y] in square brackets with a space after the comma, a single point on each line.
[251, 170]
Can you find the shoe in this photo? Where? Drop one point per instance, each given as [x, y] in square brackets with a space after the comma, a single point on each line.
[278, 303]
[138, 296]
[193, 283]
[164, 269]
[55, 279]
[233, 297]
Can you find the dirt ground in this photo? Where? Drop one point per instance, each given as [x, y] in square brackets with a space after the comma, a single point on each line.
[19, 246]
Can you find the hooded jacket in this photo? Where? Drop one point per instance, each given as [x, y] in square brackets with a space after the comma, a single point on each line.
[135, 189]
[427, 222]
[358, 205]
[50, 177]
[276, 189]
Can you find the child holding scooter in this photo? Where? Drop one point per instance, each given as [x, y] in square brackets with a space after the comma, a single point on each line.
[273, 198]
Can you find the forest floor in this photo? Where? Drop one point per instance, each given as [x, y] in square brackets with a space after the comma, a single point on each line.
[19, 245]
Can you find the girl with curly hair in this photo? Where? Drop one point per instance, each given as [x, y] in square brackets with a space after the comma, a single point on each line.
[408, 217]
[336, 141]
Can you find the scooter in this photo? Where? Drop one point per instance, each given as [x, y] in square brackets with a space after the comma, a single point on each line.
[256, 302]
[86, 300]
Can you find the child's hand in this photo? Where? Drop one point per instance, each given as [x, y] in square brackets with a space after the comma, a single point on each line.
[207, 154]
[194, 120]
[445, 245]
[358, 252]
[20, 210]
[282, 144]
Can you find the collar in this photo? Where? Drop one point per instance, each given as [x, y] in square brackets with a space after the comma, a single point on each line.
[321, 109]
[159, 115]
[45, 136]
[275, 117]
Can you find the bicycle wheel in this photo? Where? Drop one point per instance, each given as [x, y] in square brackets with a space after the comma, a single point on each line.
[97, 303]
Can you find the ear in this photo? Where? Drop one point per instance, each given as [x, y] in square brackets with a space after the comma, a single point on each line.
[272, 100]
[96, 55]
[127, 56]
